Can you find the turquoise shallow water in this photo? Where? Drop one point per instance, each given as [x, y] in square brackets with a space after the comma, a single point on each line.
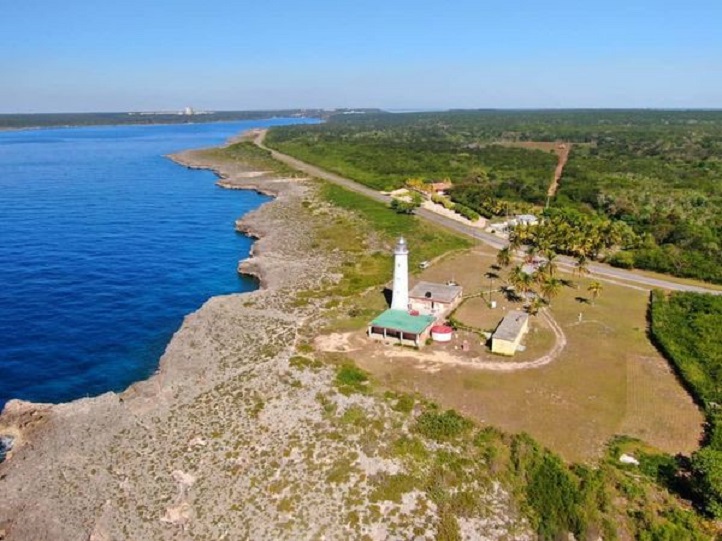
[105, 245]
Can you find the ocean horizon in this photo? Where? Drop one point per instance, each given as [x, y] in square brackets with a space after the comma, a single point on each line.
[105, 247]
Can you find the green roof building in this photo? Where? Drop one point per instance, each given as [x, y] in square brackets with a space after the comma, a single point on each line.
[402, 327]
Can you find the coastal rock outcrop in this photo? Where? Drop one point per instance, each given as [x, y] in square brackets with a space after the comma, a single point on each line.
[69, 460]
[233, 437]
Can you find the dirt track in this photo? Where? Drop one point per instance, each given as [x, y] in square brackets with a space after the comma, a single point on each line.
[563, 150]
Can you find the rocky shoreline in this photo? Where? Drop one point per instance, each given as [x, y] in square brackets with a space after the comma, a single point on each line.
[236, 436]
[60, 474]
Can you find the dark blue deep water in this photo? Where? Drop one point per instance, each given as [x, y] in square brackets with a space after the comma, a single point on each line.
[104, 246]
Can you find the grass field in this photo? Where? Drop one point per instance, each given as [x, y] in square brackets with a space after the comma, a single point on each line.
[371, 269]
[608, 380]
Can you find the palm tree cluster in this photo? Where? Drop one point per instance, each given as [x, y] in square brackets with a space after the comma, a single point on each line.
[583, 237]
[543, 283]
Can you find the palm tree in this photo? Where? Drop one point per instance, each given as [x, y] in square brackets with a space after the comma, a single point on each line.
[515, 241]
[521, 281]
[491, 276]
[582, 266]
[516, 275]
[595, 288]
[534, 306]
[550, 288]
[503, 257]
[531, 253]
[541, 273]
[550, 266]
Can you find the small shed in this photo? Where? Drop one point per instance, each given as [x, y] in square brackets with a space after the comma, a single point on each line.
[526, 219]
[434, 299]
[440, 188]
[508, 334]
[401, 327]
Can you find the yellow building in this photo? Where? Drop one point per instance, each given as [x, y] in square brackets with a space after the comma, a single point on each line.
[508, 335]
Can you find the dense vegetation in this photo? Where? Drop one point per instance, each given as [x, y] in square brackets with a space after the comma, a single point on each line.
[686, 328]
[384, 157]
[664, 181]
[658, 172]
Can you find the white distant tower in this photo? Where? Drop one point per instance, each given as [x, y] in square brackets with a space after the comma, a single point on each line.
[400, 295]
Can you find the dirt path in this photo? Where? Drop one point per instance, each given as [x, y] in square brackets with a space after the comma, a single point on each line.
[342, 342]
[563, 150]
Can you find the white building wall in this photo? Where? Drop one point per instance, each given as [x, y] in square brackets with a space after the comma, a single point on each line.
[400, 294]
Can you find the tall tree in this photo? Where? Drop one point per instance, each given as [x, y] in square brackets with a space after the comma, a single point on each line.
[521, 281]
[595, 288]
[534, 306]
[531, 253]
[550, 265]
[503, 257]
[550, 288]
[582, 265]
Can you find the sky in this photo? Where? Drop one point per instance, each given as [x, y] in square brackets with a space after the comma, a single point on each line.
[149, 55]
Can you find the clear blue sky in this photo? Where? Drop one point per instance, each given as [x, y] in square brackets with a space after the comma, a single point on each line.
[103, 55]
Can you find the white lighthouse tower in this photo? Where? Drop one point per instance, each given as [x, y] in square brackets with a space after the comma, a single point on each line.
[400, 296]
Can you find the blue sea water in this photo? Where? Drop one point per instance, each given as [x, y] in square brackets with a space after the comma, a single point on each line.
[104, 246]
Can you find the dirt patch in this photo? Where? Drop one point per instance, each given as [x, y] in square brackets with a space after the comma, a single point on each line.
[595, 388]
[563, 150]
[650, 383]
[440, 209]
[337, 342]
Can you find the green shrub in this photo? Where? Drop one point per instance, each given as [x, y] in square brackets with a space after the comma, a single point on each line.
[444, 201]
[392, 487]
[707, 470]
[553, 493]
[467, 213]
[300, 362]
[404, 403]
[351, 379]
[442, 426]
[622, 260]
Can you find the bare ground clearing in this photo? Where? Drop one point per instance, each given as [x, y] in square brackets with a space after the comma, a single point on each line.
[608, 380]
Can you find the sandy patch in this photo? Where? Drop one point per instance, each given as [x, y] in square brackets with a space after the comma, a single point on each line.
[339, 342]
[336, 342]
[440, 209]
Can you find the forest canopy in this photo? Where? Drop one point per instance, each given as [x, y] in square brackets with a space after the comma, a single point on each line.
[657, 172]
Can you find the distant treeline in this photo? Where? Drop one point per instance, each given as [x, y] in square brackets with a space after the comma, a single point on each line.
[657, 171]
[47, 120]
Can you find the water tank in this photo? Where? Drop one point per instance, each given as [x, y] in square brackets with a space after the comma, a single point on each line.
[441, 333]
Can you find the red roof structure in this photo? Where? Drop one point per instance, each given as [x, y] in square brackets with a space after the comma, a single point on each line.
[442, 329]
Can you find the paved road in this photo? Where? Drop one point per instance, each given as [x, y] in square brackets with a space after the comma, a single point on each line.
[602, 272]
